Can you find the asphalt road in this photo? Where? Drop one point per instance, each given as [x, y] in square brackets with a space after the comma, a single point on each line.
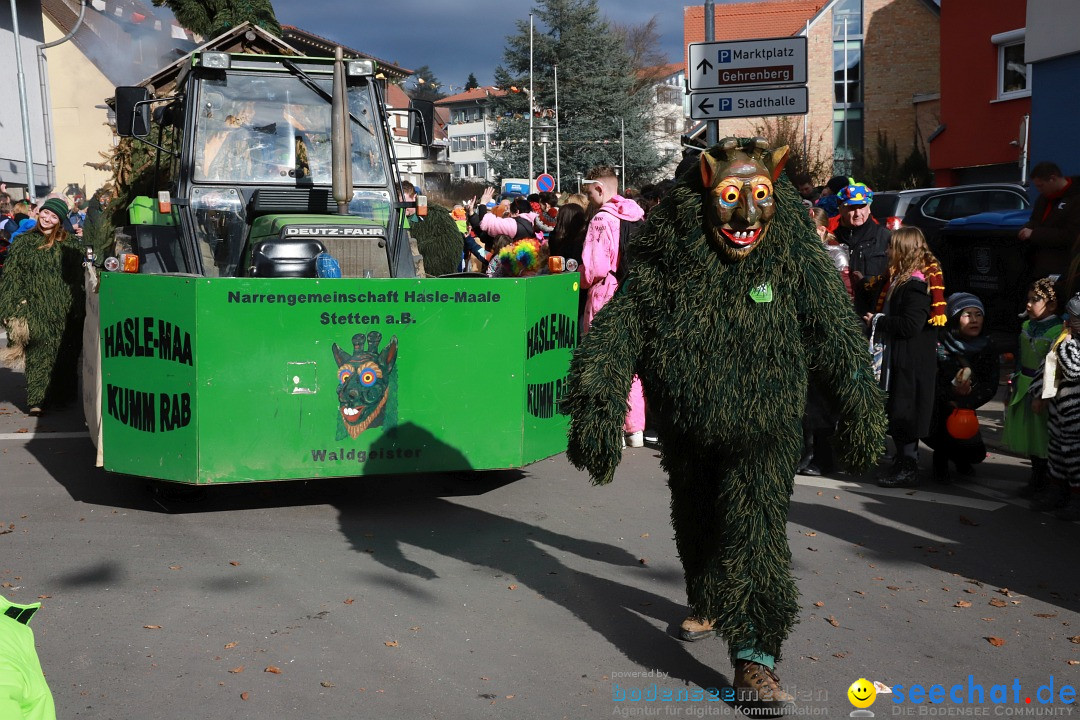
[509, 595]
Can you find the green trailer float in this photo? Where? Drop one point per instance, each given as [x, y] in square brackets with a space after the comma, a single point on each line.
[223, 355]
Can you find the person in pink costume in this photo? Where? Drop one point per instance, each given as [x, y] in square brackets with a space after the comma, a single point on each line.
[599, 260]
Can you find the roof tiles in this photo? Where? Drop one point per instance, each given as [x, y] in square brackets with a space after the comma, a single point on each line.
[750, 20]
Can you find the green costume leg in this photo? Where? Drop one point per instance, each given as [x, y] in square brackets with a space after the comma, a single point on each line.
[40, 363]
[729, 511]
[52, 365]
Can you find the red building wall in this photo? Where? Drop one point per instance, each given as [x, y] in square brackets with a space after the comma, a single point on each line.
[978, 130]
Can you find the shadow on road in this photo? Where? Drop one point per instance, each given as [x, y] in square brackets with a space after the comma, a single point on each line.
[976, 544]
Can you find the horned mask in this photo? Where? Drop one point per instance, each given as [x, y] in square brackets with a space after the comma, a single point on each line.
[741, 202]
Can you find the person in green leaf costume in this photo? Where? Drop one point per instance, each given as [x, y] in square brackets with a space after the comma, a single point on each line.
[42, 307]
[731, 303]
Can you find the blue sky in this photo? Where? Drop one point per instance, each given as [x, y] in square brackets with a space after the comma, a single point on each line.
[457, 37]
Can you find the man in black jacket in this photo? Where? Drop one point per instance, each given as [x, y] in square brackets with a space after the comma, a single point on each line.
[867, 241]
[1054, 228]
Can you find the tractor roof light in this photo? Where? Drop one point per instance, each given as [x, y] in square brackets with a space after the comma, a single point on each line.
[360, 68]
[216, 60]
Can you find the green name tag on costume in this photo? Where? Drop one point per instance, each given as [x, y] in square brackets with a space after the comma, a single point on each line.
[762, 293]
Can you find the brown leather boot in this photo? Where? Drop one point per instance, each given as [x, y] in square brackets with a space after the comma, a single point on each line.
[758, 687]
[695, 628]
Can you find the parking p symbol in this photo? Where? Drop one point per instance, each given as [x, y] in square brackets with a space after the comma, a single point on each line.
[725, 105]
[723, 56]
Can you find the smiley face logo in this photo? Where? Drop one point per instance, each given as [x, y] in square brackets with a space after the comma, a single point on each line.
[862, 693]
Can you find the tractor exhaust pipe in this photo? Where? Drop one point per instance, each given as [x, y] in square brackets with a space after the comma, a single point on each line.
[340, 137]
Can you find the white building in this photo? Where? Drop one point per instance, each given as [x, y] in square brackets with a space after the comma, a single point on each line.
[670, 111]
[472, 124]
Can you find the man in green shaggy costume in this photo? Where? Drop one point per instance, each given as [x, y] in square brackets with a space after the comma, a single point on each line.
[731, 303]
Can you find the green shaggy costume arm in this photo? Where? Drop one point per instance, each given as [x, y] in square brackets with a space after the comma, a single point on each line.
[839, 357]
[601, 373]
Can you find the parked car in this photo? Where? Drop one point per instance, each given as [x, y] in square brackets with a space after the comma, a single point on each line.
[930, 208]
[982, 254]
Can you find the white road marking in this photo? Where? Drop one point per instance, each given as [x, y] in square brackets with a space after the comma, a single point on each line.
[44, 435]
[901, 493]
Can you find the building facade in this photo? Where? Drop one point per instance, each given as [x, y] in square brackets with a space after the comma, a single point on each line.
[13, 142]
[872, 67]
[670, 112]
[1052, 51]
[471, 125]
[986, 92]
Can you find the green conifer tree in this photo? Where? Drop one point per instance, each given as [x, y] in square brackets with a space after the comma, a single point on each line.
[597, 89]
[471, 83]
[211, 18]
[424, 85]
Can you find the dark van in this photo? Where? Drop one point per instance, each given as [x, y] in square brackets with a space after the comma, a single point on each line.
[981, 254]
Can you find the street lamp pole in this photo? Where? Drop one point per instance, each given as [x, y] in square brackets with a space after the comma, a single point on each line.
[622, 140]
[558, 174]
[530, 102]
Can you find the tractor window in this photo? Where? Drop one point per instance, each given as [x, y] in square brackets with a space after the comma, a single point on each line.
[275, 130]
[371, 205]
[219, 228]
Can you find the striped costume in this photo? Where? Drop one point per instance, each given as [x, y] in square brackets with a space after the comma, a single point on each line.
[1063, 450]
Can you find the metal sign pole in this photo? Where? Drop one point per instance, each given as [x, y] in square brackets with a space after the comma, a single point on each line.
[712, 127]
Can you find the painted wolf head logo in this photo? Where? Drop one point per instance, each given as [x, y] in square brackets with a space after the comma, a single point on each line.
[364, 383]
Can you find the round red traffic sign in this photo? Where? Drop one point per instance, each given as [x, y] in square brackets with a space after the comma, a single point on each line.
[545, 183]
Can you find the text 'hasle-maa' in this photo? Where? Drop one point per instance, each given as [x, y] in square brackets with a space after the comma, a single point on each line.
[147, 337]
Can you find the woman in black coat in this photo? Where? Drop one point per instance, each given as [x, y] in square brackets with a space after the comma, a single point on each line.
[907, 322]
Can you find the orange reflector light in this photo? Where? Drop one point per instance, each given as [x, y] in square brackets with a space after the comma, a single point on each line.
[129, 262]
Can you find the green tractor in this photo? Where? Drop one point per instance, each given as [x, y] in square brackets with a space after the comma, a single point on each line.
[265, 318]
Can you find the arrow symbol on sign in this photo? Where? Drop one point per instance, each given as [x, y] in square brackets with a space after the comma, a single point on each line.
[704, 66]
[705, 105]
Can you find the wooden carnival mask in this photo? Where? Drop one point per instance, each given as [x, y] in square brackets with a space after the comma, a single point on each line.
[741, 201]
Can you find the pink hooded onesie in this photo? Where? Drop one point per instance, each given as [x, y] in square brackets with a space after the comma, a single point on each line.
[599, 258]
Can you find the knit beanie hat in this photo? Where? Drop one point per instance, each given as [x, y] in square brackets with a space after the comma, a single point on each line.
[1073, 306]
[961, 301]
[57, 206]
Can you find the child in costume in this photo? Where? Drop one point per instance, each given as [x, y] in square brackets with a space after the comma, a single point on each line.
[1025, 419]
[1063, 448]
[729, 300]
[42, 306]
[910, 309]
[967, 378]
